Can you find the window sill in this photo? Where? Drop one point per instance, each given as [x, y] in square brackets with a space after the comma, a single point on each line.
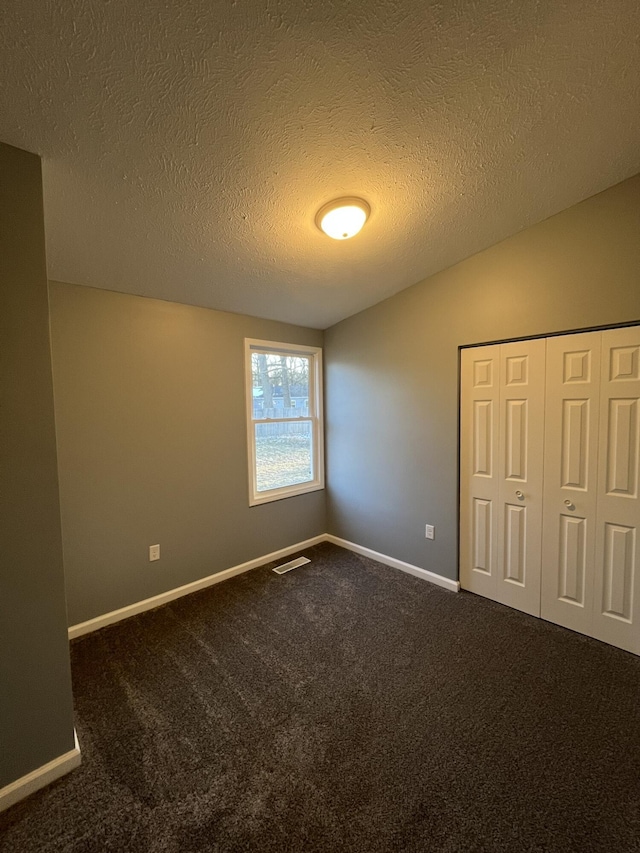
[280, 494]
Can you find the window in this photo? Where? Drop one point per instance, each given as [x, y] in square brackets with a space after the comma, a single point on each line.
[284, 420]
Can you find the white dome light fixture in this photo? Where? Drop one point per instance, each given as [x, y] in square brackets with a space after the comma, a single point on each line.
[343, 218]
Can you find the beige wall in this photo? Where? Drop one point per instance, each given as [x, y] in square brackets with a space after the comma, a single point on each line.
[150, 411]
[392, 370]
[36, 713]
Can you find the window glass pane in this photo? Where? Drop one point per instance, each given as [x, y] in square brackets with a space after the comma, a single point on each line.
[283, 454]
[280, 385]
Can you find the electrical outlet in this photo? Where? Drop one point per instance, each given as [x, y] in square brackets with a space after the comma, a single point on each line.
[429, 531]
[154, 553]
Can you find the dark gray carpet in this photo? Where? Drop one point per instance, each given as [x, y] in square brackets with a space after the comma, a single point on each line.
[343, 707]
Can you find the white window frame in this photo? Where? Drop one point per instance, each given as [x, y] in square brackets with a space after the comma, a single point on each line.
[315, 418]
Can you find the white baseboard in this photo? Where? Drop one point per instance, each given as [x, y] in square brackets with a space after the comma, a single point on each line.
[32, 782]
[165, 597]
[416, 571]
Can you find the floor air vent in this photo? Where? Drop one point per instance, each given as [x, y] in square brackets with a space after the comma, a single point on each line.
[292, 564]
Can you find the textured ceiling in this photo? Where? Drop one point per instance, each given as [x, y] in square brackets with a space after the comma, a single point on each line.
[188, 145]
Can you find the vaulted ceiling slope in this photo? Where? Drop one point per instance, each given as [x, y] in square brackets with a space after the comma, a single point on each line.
[188, 145]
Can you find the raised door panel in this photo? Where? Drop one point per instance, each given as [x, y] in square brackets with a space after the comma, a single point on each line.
[616, 604]
[521, 423]
[479, 390]
[570, 478]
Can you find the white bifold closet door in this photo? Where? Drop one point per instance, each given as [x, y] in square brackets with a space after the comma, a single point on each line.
[572, 416]
[590, 577]
[616, 617]
[502, 434]
[550, 469]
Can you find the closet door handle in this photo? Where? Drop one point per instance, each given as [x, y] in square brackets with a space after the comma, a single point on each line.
[520, 496]
[569, 505]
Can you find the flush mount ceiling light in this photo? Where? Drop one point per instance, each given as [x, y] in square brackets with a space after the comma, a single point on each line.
[343, 218]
